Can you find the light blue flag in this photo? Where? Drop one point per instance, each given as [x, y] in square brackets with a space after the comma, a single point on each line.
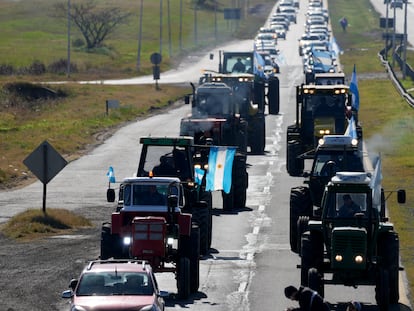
[334, 47]
[259, 64]
[198, 175]
[220, 167]
[351, 129]
[111, 175]
[375, 183]
[353, 87]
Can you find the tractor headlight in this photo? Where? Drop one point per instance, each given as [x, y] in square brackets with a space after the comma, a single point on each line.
[170, 241]
[127, 240]
[359, 259]
[338, 258]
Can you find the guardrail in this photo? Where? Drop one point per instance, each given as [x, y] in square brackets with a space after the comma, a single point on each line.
[394, 78]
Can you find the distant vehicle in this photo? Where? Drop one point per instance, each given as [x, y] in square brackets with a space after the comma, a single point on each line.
[265, 39]
[279, 19]
[319, 62]
[396, 4]
[308, 40]
[290, 13]
[280, 30]
[271, 67]
[116, 285]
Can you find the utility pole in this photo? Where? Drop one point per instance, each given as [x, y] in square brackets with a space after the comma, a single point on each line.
[161, 27]
[404, 71]
[169, 29]
[393, 40]
[140, 36]
[180, 34]
[195, 24]
[68, 61]
[386, 30]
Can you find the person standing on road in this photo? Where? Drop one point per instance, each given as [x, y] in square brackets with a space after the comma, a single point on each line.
[309, 300]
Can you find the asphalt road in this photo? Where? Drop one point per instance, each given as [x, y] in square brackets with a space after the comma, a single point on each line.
[250, 261]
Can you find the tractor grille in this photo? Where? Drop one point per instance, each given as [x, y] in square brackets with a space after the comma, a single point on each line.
[349, 248]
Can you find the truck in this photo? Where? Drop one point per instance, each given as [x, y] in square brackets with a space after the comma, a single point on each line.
[149, 224]
[334, 153]
[321, 109]
[356, 247]
[178, 156]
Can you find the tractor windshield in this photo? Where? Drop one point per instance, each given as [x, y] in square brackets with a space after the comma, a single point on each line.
[167, 161]
[327, 164]
[347, 205]
[213, 104]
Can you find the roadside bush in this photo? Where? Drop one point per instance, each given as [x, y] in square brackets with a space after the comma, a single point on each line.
[6, 70]
[37, 68]
[60, 67]
[78, 43]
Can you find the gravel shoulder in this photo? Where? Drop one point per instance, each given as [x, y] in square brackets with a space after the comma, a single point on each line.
[35, 273]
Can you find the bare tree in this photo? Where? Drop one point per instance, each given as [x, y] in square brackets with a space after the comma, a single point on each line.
[95, 24]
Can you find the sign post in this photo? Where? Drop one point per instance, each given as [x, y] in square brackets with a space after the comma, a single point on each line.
[45, 162]
[156, 59]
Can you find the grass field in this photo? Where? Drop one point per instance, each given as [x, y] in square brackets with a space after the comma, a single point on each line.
[32, 32]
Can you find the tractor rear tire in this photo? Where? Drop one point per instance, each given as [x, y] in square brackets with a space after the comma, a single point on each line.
[258, 137]
[207, 197]
[300, 205]
[194, 258]
[201, 215]
[239, 181]
[294, 165]
[228, 201]
[389, 251]
[273, 97]
[183, 278]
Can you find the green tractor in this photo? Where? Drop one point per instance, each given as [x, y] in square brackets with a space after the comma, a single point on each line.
[320, 110]
[352, 243]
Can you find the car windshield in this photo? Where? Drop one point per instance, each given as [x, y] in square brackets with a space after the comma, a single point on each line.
[114, 283]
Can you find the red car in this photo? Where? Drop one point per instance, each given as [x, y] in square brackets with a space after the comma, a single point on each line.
[116, 285]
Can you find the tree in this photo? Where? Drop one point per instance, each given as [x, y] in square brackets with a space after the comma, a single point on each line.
[95, 24]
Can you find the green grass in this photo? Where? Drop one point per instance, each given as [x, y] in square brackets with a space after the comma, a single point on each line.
[387, 120]
[33, 224]
[70, 123]
[33, 32]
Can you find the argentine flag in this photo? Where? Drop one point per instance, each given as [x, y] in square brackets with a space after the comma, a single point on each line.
[220, 165]
[259, 64]
[353, 87]
[198, 175]
[375, 183]
[351, 129]
[111, 175]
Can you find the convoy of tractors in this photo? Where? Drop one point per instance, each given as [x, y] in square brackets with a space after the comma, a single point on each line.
[164, 213]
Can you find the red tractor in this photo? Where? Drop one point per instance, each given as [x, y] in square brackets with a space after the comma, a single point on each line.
[148, 224]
